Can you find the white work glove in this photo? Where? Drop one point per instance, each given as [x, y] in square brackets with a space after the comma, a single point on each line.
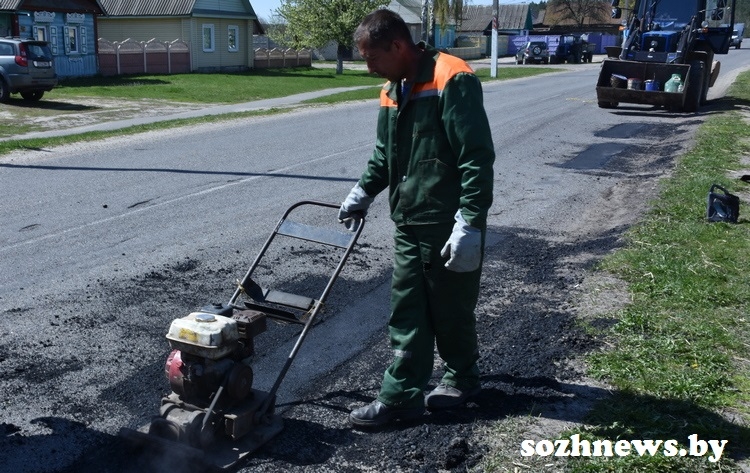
[464, 247]
[354, 208]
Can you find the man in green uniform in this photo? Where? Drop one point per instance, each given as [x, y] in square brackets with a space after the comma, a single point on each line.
[434, 153]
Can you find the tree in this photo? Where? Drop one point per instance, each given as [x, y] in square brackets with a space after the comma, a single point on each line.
[448, 9]
[315, 23]
[742, 12]
[582, 11]
[442, 11]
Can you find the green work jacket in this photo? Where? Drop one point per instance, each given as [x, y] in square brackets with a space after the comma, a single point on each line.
[434, 149]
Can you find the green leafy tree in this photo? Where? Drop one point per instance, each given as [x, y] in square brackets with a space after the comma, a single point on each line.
[581, 11]
[315, 23]
[446, 10]
[742, 12]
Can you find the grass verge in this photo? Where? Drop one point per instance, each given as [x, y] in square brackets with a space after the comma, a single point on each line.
[241, 87]
[681, 347]
[215, 88]
[679, 354]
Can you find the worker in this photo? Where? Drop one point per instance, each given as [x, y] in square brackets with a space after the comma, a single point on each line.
[434, 153]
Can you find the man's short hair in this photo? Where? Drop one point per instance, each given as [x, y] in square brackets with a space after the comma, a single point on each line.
[380, 28]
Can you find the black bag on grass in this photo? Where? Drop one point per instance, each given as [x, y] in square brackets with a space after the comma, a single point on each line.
[722, 206]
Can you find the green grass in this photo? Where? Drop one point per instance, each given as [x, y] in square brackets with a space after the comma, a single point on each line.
[679, 357]
[259, 84]
[351, 95]
[504, 73]
[682, 347]
[513, 72]
[247, 86]
[215, 88]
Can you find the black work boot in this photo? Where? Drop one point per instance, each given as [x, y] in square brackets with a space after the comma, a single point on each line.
[377, 414]
[447, 397]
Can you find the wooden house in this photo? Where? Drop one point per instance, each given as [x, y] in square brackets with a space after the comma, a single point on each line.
[219, 32]
[411, 12]
[511, 20]
[476, 26]
[68, 25]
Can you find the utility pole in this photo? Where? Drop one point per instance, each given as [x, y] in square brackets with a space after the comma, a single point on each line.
[424, 21]
[493, 49]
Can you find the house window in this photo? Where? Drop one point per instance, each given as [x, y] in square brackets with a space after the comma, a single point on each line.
[233, 38]
[72, 40]
[40, 33]
[208, 38]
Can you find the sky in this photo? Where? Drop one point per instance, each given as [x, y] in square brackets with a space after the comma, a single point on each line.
[265, 8]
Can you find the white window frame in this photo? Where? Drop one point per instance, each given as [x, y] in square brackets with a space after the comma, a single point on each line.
[233, 30]
[72, 32]
[207, 33]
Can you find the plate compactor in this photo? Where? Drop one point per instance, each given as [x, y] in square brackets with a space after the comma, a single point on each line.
[214, 417]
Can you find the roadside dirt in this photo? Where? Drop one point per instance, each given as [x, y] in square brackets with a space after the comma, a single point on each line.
[55, 113]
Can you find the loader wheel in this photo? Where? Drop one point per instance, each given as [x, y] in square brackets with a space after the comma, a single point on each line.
[695, 87]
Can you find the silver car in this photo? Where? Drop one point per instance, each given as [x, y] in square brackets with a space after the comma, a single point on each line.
[736, 40]
[26, 67]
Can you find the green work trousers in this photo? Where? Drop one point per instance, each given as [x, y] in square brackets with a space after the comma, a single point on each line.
[429, 305]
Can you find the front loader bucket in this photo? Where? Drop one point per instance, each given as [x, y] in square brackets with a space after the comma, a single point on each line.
[609, 96]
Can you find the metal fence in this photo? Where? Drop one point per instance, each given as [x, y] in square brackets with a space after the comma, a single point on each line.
[276, 57]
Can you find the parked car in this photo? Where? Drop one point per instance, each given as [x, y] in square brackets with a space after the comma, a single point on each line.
[26, 67]
[534, 51]
[736, 40]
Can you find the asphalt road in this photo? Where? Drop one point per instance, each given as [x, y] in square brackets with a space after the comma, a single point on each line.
[104, 243]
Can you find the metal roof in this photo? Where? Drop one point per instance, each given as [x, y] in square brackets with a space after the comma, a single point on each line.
[509, 17]
[167, 8]
[148, 7]
[9, 4]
